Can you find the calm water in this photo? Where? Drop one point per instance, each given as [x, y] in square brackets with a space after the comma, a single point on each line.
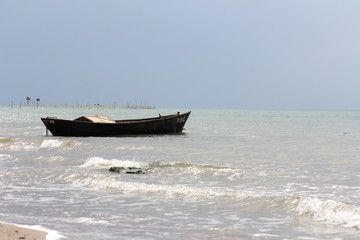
[233, 175]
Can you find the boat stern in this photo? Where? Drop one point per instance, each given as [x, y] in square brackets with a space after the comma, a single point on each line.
[49, 123]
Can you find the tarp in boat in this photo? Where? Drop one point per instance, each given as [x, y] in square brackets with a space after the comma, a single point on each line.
[96, 119]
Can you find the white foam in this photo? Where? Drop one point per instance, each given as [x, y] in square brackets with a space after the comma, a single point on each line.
[265, 235]
[98, 162]
[92, 221]
[51, 143]
[4, 156]
[52, 158]
[132, 148]
[47, 143]
[330, 211]
[20, 146]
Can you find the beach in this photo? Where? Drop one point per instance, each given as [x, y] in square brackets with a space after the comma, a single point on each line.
[14, 232]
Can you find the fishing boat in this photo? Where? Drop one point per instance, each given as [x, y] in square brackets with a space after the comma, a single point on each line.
[102, 126]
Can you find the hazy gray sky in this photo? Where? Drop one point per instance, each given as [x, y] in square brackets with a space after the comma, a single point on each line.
[251, 54]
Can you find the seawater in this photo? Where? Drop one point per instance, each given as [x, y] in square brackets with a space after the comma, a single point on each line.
[232, 174]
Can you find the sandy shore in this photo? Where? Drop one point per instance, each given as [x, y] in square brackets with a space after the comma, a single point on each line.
[14, 232]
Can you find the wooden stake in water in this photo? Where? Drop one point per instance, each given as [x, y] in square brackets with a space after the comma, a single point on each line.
[47, 133]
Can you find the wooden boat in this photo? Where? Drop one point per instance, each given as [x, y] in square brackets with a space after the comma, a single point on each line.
[105, 126]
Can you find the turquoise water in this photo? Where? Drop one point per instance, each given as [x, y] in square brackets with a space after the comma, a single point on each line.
[233, 174]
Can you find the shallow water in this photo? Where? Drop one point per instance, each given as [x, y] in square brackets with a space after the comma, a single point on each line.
[233, 174]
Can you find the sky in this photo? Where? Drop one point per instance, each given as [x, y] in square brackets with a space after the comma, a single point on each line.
[188, 54]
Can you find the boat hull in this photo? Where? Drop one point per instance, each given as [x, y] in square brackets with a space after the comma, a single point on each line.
[170, 124]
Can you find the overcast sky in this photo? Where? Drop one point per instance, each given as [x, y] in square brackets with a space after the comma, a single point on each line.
[244, 54]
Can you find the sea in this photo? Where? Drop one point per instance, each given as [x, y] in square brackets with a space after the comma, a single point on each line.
[232, 174]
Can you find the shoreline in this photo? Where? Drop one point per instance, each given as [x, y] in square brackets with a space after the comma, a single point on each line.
[10, 231]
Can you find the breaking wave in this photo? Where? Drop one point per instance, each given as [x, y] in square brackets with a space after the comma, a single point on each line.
[98, 162]
[21, 146]
[51, 143]
[55, 143]
[330, 211]
[173, 169]
[12, 144]
[99, 181]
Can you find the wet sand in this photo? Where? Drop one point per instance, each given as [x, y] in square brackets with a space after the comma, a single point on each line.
[14, 232]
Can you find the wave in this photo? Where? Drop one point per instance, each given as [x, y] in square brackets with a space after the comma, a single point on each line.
[92, 221]
[53, 143]
[56, 143]
[330, 211]
[157, 164]
[132, 148]
[156, 167]
[40, 144]
[98, 162]
[99, 181]
[21, 146]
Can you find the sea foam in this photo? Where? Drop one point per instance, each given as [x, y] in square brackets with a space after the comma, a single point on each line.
[53, 143]
[99, 162]
[4, 156]
[40, 144]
